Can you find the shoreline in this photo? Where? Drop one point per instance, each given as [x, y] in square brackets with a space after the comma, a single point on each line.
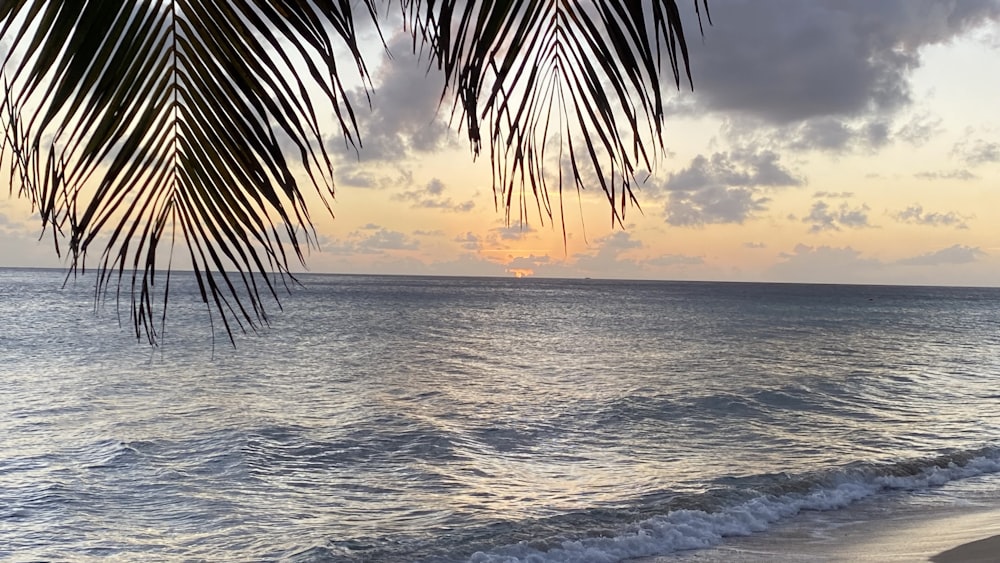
[967, 534]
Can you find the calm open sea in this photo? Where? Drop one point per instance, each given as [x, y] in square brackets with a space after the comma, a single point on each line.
[455, 419]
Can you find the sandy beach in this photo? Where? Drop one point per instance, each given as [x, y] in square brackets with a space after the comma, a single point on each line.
[980, 551]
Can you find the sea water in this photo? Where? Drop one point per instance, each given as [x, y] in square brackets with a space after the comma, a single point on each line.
[465, 419]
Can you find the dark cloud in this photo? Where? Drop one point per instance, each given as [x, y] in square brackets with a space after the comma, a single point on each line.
[822, 217]
[736, 169]
[827, 75]
[714, 204]
[754, 245]
[788, 61]
[727, 187]
[833, 195]
[406, 116]
[830, 134]
[956, 254]
[825, 133]
[915, 215]
[875, 133]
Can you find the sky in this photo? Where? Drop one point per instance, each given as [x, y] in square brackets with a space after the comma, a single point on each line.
[825, 141]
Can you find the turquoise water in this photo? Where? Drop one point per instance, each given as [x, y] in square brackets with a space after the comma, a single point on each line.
[454, 419]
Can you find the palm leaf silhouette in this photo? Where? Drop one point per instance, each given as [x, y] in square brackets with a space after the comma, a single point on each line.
[133, 125]
[527, 73]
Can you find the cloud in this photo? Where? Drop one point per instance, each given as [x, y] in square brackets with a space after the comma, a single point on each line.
[384, 239]
[833, 195]
[737, 168]
[355, 175]
[370, 239]
[714, 204]
[955, 254]
[6, 224]
[513, 232]
[825, 218]
[676, 260]
[919, 129]
[355, 178]
[822, 134]
[977, 151]
[469, 241]
[404, 118]
[614, 256]
[608, 259]
[24, 245]
[724, 188]
[787, 61]
[915, 215]
[823, 75]
[963, 175]
[528, 263]
[827, 134]
[825, 264]
[431, 196]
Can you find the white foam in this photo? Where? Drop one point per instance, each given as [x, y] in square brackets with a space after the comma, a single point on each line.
[695, 529]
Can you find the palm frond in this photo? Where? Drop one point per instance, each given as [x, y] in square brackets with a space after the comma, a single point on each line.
[132, 125]
[141, 124]
[583, 77]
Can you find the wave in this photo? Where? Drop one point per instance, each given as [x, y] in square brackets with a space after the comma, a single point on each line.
[743, 506]
[666, 523]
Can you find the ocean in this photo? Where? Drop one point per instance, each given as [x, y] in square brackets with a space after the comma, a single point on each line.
[385, 418]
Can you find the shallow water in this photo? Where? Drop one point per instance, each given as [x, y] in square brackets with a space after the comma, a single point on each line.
[441, 419]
